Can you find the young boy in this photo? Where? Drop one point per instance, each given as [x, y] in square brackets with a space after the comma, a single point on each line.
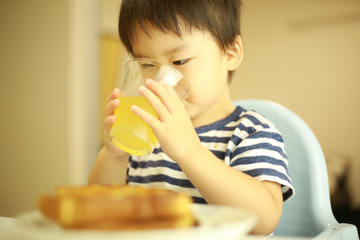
[207, 148]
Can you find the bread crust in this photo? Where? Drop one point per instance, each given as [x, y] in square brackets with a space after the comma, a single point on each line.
[114, 207]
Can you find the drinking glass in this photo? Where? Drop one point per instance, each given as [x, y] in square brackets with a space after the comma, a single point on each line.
[129, 132]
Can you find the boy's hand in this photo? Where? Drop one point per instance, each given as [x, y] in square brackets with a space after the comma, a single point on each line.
[113, 103]
[173, 128]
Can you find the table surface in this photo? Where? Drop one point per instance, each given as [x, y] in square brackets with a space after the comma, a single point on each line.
[9, 230]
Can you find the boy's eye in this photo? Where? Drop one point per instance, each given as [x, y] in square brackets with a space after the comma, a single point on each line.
[147, 65]
[180, 62]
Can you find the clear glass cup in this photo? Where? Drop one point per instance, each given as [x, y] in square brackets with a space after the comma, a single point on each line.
[129, 132]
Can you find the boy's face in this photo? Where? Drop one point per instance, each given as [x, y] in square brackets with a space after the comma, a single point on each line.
[200, 59]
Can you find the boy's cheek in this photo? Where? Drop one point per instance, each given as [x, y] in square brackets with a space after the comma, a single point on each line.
[190, 109]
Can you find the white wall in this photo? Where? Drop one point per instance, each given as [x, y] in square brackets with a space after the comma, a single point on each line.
[34, 99]
[306, 56]
[48, 72]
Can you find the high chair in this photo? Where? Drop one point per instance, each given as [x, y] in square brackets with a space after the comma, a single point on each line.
[309, 213]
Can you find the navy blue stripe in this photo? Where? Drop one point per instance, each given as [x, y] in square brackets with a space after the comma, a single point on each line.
[259, 146]
[161, 178]
[207, 139]
[236, 139]
[258, 159]
[219, 154]
[266, 171]
[199, 200]
[248, 129]
[263, 134]
[287, 194]
[154, 164]
[157, 150]
[229, 128]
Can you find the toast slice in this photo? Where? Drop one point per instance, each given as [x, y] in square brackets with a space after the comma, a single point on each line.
[113, 207]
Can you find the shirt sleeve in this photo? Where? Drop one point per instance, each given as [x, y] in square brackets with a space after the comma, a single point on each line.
[260, 153]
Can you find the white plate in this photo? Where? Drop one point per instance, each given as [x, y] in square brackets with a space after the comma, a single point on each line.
[215, 222]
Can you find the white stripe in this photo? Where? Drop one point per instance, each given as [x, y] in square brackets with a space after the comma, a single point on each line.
[217, 133]
[260, 153]
[233, 123]
[187, 191]
[143, 172]
[254, 141]
[231, 146]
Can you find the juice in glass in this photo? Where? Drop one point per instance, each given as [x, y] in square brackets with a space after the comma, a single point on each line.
[129, 132]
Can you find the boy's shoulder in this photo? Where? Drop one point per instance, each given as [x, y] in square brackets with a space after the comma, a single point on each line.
[239, 118]
[252, 117]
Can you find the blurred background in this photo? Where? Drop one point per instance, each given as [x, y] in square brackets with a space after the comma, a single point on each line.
[59, 60]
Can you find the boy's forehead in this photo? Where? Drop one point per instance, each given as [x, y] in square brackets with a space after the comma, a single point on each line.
[159, 42]
[153, 31]
[166, 40]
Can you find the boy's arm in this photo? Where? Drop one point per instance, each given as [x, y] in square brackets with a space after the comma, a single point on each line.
[224, 185]
[108, 170]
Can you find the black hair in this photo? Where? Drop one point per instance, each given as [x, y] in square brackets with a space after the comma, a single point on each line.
[219, 17]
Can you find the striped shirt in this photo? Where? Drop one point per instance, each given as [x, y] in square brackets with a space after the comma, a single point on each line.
[244, 140]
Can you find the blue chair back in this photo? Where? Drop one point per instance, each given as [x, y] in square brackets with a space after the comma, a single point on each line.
[309, 213]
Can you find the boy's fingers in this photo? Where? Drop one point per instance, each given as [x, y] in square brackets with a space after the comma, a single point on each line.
[114, 94]
[145, 116]
[111, 106]
[164, 92]
[108, 122]
[157, 88]
[154, 100]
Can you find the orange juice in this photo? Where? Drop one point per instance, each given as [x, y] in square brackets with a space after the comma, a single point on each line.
[129, 132]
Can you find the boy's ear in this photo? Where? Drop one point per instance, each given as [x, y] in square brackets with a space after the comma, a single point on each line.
[234, 54]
